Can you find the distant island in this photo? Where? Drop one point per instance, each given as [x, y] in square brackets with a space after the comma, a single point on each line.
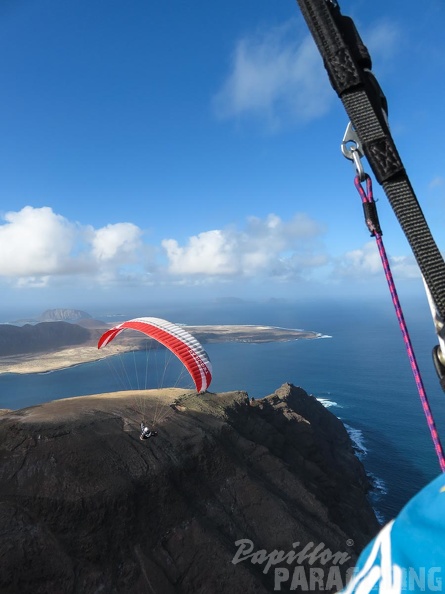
[59, 343]
[248, 333]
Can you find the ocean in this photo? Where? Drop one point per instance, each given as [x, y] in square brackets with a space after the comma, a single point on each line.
[359, 369]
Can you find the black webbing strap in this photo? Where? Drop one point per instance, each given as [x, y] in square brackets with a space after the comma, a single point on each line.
[349, 68]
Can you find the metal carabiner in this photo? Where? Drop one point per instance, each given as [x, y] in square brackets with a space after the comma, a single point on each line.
[439, 326]
[351, 148]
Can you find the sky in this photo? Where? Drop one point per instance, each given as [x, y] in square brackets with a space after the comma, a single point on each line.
[191, 150]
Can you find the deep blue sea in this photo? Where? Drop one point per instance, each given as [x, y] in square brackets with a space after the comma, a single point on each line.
[361, 372]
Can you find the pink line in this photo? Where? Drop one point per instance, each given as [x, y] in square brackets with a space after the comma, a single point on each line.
[368, 197]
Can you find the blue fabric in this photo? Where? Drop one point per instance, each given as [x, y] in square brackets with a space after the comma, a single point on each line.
[408, 554]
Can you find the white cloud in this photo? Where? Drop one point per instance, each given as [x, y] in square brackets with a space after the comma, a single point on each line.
[404, 267]
[34, 242]
[276, 76]
[382, 40]
[436, 182]
[361, 262]
[116, 242]
[269, 247]
[37, 245]
[365, 262]
[209, 252]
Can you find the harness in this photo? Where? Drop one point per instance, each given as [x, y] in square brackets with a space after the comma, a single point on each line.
[349, 67]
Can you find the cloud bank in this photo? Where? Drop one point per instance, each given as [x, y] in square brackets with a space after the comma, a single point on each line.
[40, 248]
[269, 247]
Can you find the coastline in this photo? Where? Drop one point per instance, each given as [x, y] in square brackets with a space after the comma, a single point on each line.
[88, 352]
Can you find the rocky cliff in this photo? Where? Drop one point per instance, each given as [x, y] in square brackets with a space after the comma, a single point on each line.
[231, 496]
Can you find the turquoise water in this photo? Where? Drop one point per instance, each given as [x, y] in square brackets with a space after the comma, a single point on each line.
[361, 372]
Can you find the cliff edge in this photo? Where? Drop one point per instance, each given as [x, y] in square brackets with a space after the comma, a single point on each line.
[205, 507]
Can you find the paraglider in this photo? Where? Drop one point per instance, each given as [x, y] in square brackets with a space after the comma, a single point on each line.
[146, 432]
[182, 344]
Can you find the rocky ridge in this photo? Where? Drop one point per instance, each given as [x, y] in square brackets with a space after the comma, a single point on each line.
[85, 506]
[45, 336]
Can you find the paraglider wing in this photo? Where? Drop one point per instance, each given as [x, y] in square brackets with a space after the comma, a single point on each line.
[182, 344]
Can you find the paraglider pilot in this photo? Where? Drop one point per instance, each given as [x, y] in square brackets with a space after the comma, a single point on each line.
[146, 432]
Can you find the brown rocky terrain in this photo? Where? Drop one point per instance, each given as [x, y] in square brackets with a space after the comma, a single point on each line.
[86, 507]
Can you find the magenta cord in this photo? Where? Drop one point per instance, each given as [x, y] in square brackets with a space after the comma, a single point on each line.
[367, 196]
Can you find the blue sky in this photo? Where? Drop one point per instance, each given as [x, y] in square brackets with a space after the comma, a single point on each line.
[159, 150]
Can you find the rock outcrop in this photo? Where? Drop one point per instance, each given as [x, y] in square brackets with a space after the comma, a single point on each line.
[205, 507]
